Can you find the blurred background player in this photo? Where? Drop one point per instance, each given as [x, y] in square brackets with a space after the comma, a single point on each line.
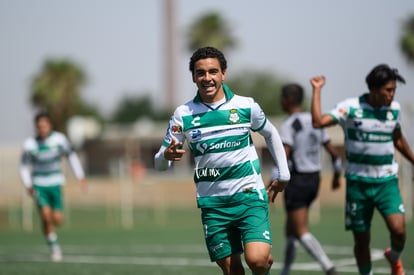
[231, 194]
[41, 173]
[372, 128]
[302, 144]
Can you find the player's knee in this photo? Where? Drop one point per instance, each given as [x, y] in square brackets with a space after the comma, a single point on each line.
[260, 264]
[399, 234]
[57, 218]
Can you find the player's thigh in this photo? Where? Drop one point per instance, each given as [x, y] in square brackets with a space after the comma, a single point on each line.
[56, 194]
[297, 221]
[222, 237]
[388, 198]
[254, 223]
[359, 207]
[49, 196]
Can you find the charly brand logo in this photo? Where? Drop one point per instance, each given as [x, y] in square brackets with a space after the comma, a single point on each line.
[358, 113]
[266, 234]
[196, 121]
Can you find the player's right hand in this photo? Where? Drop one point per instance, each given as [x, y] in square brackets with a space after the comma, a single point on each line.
[30, 191]
[318, 81]
[174, 151]
[274, 188]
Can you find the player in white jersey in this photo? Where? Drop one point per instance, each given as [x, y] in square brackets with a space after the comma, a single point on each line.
[372, 129]
[217, 125]
[41, 173]
[303, 145]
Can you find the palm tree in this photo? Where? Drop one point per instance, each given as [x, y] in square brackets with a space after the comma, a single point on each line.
[407, 40]
[56, 90]
[210, 30]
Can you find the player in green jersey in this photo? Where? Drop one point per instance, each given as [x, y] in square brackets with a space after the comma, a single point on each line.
[217, 126]
[371, 125]
[41, 173]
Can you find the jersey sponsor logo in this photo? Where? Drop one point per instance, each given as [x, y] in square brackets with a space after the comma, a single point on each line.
[176, 129]
[216, 247]
[359, 113]
[266, 234]
[195, 134]
[234, 116]
[401, 208]
[46, 155]
[357, 123]
[225, 144]
[373, 137]
[202, 147]
[207, 172]
[205, 227]
[361, 135]
[196, 121]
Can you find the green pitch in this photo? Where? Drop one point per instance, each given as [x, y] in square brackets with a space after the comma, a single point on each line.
[167, 241]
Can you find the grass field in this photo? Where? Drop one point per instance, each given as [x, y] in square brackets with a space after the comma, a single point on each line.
[170, 241]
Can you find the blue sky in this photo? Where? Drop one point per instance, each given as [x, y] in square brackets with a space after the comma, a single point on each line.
[120, 45]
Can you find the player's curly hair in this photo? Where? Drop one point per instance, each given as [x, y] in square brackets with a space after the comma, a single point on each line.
[381, 75]
[208, 52]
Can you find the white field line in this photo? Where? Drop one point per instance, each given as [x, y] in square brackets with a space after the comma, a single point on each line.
[73, 255]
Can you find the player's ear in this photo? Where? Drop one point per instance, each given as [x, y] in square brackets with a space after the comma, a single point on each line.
[224, 74]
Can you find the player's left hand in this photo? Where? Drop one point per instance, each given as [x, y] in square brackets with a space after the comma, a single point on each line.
[336, 182]
[275, 187]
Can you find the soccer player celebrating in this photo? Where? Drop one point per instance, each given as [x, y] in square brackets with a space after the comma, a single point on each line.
[41, 173]
[371, 125]
[231, 194]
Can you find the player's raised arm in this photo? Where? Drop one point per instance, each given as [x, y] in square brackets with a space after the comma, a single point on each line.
[318, 119]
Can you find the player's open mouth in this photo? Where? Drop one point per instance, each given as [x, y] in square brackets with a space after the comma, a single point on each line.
[208, 86]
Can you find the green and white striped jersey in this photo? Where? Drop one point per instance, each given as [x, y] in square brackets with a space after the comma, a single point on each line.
[44, 158]
[226, 162]
[368, 135]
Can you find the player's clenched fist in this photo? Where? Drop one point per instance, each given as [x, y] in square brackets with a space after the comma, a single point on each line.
[318, 81]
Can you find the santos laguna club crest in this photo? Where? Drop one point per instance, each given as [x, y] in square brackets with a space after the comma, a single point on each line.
[234, 116]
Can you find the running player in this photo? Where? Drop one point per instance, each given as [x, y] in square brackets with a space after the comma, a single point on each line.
[302, 144]
[371, 125]
[217, 125]
[42, 176]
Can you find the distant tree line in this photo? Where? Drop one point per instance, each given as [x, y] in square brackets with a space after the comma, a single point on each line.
[57, 87]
